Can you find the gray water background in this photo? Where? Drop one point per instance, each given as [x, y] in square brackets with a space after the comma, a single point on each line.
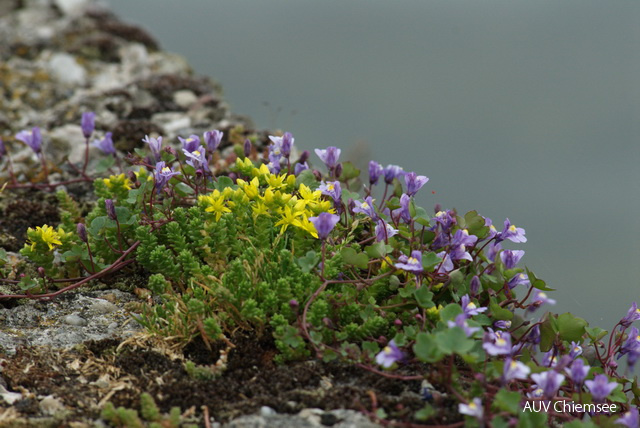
[519, 109]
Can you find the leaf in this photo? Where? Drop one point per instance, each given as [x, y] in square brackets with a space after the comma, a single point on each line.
[183, 190]
[104, 164]
[475, 224]
[360, 260]
[450, 312]
[453, 340]
[571, 328]
[548, 333]
[537, 282]
[498, 312]
[223, 182]
[307, 178]
[349, 171]
[426, 348]
[424, 297]
[308, 261]
[430, 260]
[595, 333]
[97, 225]
[377, 250]
[508, 401]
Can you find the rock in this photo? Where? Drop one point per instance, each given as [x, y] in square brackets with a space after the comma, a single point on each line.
[184, 98]
[50, 405]
[9, 397]
[101, 306]
[74, 319]
[64, 68]
[72, 7]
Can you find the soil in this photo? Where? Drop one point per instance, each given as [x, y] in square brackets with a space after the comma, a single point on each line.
[85, 378]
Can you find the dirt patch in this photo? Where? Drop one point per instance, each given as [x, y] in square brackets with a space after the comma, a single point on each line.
[85, 378]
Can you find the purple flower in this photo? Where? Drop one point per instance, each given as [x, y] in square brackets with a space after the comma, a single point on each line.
[106, 144]
[212, 139]
[630, 419]
[324, 223]
[633, 314]
[512, 233]
[510, 258]
[474, 408]
[497, 343]
[162, 175]
[520, 279]
[300, 167]
[329, 156]
[600, 387]
[549, 359]
[190, 144]
[155, 144]
[274, 166]
[534, 336]
[3, 149]
[403, 212]
[110, 208]
[514, 370]
[474, 286]
[462, 237]
[389, 355]
[414, 182]
[549, 382]
[631, 347]
[446, 265]
[410, 264]
[578, 372]
[502, 324]
[87, 123]
[331, 188]
[281, 145]
[576, 349]
[246, 148]
[375, 170]
[461, 321]
[493, 249]
[384, 231]
[470, 309]
[459, 252]
[32, 139]
[197, 158]
[539, 298]
[446, 219]
[390, 172]
[366, 208]
[81, 229]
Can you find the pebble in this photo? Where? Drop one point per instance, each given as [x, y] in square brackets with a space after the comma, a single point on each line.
[184, 98]
[64, 68]
[100, 306]
[74, 319]
[50, 405]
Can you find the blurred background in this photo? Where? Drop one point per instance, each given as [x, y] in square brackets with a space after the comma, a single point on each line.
[527, 110]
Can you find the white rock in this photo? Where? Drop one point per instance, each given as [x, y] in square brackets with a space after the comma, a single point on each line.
[101, 306]
[65, 69]
[184, 98]
[72, 7]
[50, 405]
[74, 319]
[9, 397]
[266, 411]
[172, 122]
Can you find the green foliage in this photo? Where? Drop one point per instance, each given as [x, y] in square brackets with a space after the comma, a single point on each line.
[149, 416]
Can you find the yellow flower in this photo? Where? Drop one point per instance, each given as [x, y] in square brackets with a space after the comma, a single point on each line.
[46, 234]
[117, 180]
[252, 189]
[276, 181]
[306, 225]
[215, 204]
[307, 195]
[289, 217]
[259, 208]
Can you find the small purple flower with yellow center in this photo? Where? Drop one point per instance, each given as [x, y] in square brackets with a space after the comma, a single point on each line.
[520, 279]
[366, 207]
[212, 139]
[497, 343]
[384, 231]
[600, 387]
[300, 167]
[87, 123]
[502, 324]
[375, 170]
[631, 347]
[630, 419]
[549, 359]
[474, 409]
[274, 167]
[329, 156]
[32, 139]
[633, 314]
[410, 264]
[514, 370]
[331, 188]
[540, 298]
[414, 182]
[446, 219]
[549, 382]
[197, 158]
[492, 229]
[536, 392]
[470, 309]
[155, 144]
[191, 144]
[510, 258]
[534, 336]
[461, 321]
[324, 224]
[459, 252]
[162, 175]
[492, 250]
[389, 355]
[106, 144]
[576, 350]
[390, 172]
[578, 372]
[462, 237]
[512, 233]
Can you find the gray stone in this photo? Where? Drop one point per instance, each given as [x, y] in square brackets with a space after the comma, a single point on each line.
[65, 69]
[74, 319]
[184, 98]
